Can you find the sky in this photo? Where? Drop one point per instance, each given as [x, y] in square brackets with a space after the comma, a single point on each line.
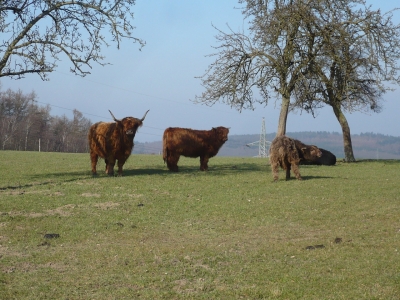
[162, 78]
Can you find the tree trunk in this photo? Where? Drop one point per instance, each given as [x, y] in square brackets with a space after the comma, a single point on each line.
[348, 147]
[283, 116]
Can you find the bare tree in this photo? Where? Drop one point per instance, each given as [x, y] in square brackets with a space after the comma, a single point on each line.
[36, 33]
[14, 109]
[79, 131]
[305, 47]
[270, 58]
[359, 57]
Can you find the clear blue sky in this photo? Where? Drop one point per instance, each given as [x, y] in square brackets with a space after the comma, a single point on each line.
[161, 77]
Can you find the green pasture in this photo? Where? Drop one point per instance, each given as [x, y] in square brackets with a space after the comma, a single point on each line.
[229, 233]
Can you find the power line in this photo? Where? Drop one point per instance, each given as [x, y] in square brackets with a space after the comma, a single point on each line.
[85, 113]
[143, 94]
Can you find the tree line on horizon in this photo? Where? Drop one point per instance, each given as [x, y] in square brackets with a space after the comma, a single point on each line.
[26, 126]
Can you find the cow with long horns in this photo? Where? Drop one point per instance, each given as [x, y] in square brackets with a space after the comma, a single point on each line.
[192, 143]
[112, 142]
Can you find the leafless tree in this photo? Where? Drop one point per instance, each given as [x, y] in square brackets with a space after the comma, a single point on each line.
[268, 59]
[359, 57]
[36, 34]
[339, 53]
[14, 109]
[24, 125]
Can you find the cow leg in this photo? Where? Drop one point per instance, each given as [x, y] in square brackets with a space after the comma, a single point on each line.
[204, 163]
[296, 171]
[288, 172]
[110, 167]
[172, 163]
[120, 165]
[275, 170]
[94, 158]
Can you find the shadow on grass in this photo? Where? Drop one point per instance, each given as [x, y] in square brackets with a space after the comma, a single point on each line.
[216, 170]
[224, 169]
[384, 161]
[304, 178]
[313, 177]
[49, 180]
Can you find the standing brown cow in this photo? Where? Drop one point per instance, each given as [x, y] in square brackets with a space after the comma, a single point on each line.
[287, 153]
[192, 143]
[113, 141]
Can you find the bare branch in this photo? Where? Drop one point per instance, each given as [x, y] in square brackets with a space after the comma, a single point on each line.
[36, 32]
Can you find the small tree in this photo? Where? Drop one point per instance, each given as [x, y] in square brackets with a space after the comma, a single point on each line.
[35, 33]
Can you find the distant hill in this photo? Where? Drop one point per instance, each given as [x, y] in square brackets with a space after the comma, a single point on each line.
[365, 145]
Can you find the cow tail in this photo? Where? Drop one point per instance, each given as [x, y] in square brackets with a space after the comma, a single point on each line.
[165, 148]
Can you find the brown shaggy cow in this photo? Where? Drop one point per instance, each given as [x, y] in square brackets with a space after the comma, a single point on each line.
[287, 153]
[192, 143]
[327, 159]
[113, 141]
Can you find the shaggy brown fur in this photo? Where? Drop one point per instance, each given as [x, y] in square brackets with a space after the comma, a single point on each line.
[287, 153]
[113, 141]
[307, 152]
[192, 143]
[327, 159]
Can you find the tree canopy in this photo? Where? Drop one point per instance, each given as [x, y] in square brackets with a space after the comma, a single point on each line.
[37, 34]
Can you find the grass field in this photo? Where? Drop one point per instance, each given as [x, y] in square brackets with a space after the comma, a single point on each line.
[229, 233]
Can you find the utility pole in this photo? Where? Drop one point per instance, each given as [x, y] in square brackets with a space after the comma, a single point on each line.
[263, 144]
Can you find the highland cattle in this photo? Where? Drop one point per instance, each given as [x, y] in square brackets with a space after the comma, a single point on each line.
[112, 142]
[327, 159]
[287, 153]
[192, 143]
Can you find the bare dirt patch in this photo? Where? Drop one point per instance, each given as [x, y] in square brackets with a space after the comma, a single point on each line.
[64, 211]
[91, 195]
[107, 205]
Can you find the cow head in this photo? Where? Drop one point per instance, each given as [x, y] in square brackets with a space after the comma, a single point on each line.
[222, 133]
[129, 125]
[311, 152]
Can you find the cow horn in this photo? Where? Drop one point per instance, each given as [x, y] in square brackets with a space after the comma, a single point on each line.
[145, 115]
[115, 119]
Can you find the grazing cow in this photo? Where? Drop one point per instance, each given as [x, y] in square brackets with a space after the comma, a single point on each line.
[192, 143]
[327, 159]
[113, 141]
[287, 153]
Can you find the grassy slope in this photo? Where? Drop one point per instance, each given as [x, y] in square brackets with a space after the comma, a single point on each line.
[226, 234]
